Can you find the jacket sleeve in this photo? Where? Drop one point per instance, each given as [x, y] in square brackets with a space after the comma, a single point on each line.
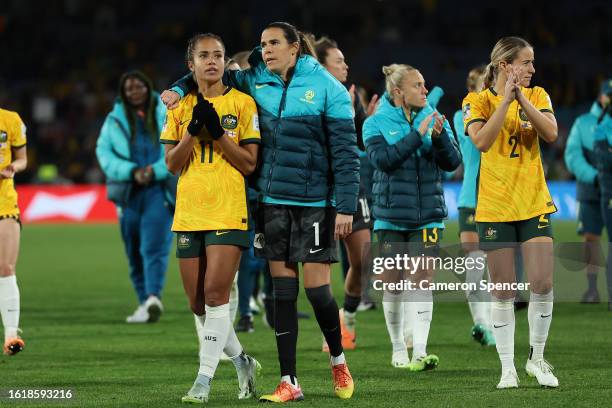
[342, 142]
[114, 166]
[160, 171]
[234, 78]
[384, 156]
[184, 85]
[602, 147]
[576, 163]
[447, 154]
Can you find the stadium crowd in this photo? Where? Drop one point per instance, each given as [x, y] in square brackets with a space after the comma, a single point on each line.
[62, 77]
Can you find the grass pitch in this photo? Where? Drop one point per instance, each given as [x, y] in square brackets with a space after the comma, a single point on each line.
[76, 294]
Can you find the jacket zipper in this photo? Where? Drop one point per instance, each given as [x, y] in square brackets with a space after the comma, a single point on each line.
[280, 112]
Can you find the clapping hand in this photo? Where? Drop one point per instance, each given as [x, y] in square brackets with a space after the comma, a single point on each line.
[424, 126]
[438, 126]
[512, 87]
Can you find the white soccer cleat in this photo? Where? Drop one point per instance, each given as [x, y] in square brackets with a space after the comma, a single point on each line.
[198, 394]
[247, 377]
[509, 379]
[154, 308]
[542, 371]
[400, 359]
[139, 316]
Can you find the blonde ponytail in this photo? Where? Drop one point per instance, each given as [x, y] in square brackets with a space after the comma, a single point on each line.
[489, 75]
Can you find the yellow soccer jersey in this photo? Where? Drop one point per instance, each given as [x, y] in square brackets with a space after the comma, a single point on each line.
[12, 135]
[511, 184]
[211, 192]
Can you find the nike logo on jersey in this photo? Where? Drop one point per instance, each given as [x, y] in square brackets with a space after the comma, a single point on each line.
[260, 86]
[281, 334]
[394, 132]
[183, 122]
[315, 251]
[499, 327]
[543, 226]
[543, 316]
[221, 233]
[422, 311]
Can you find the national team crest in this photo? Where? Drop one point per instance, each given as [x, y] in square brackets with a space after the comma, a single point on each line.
[3, 136]
[229, 122]
[308, 96]
[523, 116]
[491, 233]
[184, 241]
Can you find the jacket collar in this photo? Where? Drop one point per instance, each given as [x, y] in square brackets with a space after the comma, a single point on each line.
[397, 114]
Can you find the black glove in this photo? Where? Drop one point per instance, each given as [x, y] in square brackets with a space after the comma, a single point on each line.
[204, 113]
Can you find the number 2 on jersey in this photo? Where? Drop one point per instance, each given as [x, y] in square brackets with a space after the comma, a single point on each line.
[514, 142]
[210, 151]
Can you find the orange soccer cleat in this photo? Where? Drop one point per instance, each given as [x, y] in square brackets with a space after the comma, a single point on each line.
[285, 392]
[349, 338]
[13, 345]
[343, 382]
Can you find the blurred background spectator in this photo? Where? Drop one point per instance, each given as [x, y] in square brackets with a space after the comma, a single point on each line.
[61, 59]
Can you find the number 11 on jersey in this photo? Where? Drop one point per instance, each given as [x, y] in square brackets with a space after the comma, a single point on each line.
[203, 145]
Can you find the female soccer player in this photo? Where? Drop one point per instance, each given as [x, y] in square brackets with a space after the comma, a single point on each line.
[212, 140]
[13, 159]
[330, 56]
[477, 299]
[409, 160]
[142, 188]
[602, 142]
[309, 161]
[506, 121]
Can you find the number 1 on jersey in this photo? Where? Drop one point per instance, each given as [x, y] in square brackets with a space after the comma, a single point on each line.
[316, 228]
[203, 145]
